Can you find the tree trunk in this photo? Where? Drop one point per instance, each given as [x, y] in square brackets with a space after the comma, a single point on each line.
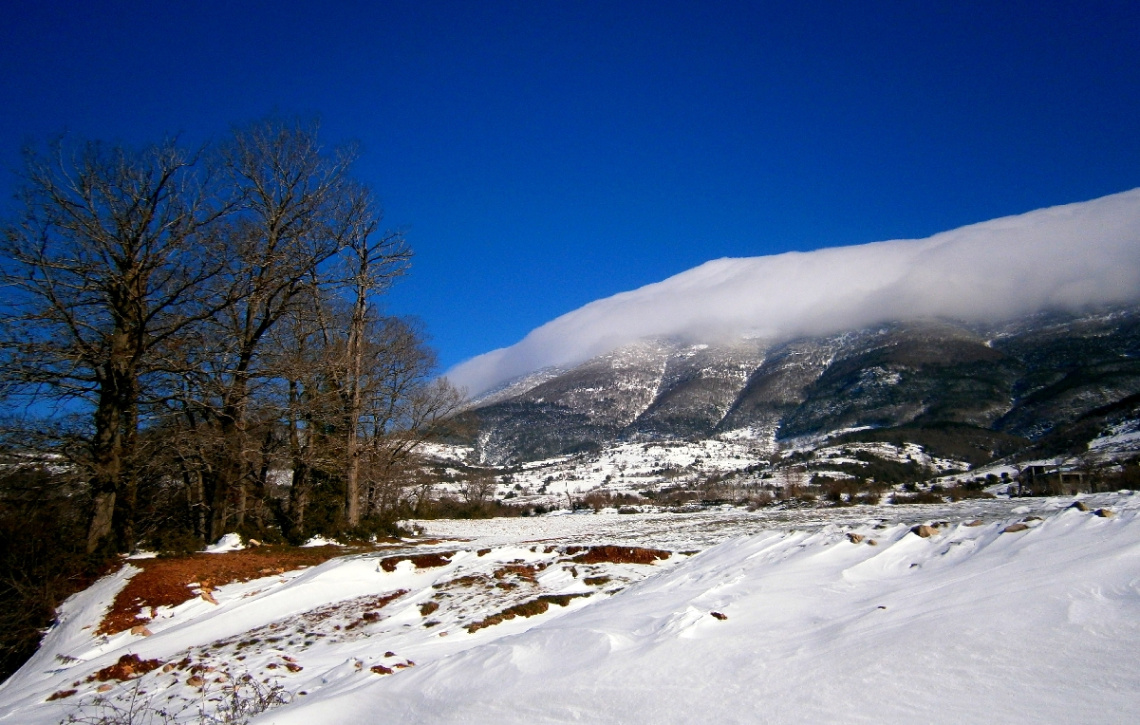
[113, 413]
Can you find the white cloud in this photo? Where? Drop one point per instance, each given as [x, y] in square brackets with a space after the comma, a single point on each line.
[1065, 257]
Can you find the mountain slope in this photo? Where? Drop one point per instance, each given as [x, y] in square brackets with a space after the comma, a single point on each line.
[1066, 258]
[1024, 378]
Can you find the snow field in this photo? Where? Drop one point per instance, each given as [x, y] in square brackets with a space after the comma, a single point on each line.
[819, 625]
[969, 625]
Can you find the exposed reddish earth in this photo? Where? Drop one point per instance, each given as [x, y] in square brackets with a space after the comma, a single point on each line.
[170, 581]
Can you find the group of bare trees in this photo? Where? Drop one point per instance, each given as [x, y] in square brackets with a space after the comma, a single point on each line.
[209, 319]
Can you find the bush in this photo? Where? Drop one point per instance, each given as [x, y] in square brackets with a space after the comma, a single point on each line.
[920, 497]
[43, 558]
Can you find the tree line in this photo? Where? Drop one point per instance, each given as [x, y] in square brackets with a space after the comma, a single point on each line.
[192, 338]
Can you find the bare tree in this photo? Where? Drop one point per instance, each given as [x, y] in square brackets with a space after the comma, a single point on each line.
[297, 207]
[226, 304]
[479, 488]
[110, 258]
[372, 264]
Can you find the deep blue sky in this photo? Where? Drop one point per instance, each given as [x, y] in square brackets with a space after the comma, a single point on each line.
[540, 155]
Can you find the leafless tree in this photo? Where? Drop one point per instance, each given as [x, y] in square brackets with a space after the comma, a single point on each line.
[297, 207]
[111, 257]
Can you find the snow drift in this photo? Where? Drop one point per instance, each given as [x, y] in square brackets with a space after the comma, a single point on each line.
[1067, 258]
[973, 624]
[1022, 610]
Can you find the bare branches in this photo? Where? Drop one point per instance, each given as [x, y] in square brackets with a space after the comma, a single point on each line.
[217, 312]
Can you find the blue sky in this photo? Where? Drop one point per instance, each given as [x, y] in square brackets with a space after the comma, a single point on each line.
[541, 155]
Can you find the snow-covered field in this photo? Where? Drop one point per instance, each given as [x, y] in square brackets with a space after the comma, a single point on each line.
[806, 615]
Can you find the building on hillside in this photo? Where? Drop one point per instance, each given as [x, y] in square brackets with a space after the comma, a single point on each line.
[1057, 480]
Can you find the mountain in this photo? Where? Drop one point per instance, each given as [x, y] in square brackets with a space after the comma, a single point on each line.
[1030, 378]
[1069, 258]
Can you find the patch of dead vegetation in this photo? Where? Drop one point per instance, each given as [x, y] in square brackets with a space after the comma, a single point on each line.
[519, 569]
[127, 668]
[167, 581]
[468, 580]
[421, 561]
[379, 602]
[531, 608]
[614, 554]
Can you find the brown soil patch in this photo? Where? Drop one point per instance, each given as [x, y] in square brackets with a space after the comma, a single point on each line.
[128, 667]
[167, 581]
[377, 603]
[526, 609]
[422, 561]
[468, 580]
[526, 571]
[615, 554]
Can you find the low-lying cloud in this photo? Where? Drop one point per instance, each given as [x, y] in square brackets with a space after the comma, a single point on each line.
[1064, 258]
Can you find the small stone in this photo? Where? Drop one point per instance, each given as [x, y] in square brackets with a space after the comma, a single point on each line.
[168, 667]
[719, 615]
[975, 522]
[195, 681]
[855, 538]
[254, 542]
[105, 687]
[208, 596]
[1105, 513]
[1014, 528]
[381, 669]
[141, 629]
[872, 542]
[1079, 506]
[924, 531]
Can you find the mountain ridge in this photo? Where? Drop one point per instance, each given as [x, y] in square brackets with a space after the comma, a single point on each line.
[1067, 258]
[1020, 377]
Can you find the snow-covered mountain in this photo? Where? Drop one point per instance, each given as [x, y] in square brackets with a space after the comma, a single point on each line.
[1029, 379]
[1065, 258]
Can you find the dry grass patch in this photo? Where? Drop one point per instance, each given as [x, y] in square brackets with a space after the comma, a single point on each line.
[530, 608]
[167, 582]
[615, 554]
[128, 667]
[422, 561]
[525, 571]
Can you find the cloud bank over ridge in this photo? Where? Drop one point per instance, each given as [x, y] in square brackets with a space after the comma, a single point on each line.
[1064, 258]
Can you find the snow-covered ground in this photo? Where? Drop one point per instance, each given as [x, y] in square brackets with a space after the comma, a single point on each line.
[821, 615]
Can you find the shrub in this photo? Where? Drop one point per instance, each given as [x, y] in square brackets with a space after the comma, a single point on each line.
[42, 559]
[920, 497]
